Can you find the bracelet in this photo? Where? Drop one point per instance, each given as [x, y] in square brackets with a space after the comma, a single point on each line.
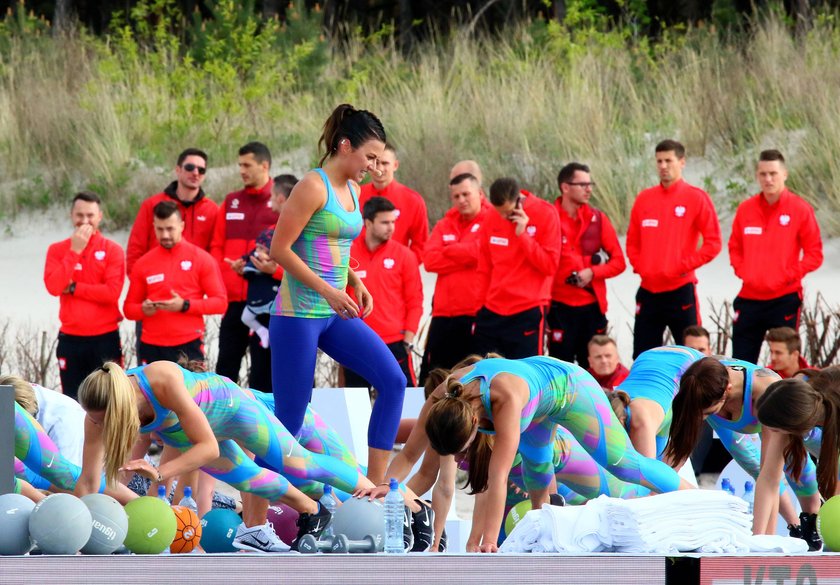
[159, 477]
[72, 288]
[186, 306]
[386, 483]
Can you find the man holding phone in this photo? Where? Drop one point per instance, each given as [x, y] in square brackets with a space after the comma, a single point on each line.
[171, 288]
[520, 249]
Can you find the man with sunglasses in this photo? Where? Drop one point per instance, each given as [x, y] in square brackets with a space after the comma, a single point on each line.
[197, 211]
[589, 255]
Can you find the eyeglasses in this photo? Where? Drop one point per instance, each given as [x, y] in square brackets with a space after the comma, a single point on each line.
[189, 167]
[584, 185]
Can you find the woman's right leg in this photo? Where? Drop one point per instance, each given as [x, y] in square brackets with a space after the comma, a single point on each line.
[294, 350]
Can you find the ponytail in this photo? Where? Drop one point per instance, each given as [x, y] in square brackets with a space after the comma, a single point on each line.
[357, 126]
[702, 385]
[108, 389]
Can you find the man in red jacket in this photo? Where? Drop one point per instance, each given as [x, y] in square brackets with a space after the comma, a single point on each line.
[412, 227]
[785, 351]
[604, 364]
[452, 252]
[243, 216]
[171, 288]
[198, 212]
[86, 272]
[392, 275]
[673, 231]
[775, 242]
[590, 254]
[520, 250]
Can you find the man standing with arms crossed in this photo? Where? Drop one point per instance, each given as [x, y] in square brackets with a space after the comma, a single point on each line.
[673, 231]
[412, 227]
[589, 255]
[775, 242]
[243, 216]
[172, 287]
[86, 272]
[452, 252]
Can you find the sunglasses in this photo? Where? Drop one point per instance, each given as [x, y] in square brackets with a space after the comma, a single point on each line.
[189, 167]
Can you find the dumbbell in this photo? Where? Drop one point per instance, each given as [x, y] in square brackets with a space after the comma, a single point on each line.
[309, 545]
[342, 544]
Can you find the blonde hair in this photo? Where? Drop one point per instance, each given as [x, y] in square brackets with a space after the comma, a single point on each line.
[108, 389]
[24, 393]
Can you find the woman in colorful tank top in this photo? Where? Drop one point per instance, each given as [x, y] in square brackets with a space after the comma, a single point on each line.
[312, 310]
[725, 392]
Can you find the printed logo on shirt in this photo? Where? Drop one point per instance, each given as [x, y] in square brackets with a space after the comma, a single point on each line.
[557, 336]
[679, 211]
[650, 223]
[234, 204]
[784, 219]
[388, 263]
[62, 363]
[531, 230]
[78, 266]
[186, 264]
[99, 255]
[475, 227]
[564, 240]
[268, 204]
[235, 216]
[153, 278]
[200, 218]
[752, 230]
[396, 214]
[449, 237]
[361, 273]
[497, 241]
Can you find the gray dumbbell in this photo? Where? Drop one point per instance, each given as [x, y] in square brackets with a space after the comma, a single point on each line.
[309, 545]
[342, 544]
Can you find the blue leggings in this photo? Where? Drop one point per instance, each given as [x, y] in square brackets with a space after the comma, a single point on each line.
[350, 342]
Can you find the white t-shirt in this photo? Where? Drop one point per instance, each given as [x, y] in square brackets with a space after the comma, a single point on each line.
[64, 421]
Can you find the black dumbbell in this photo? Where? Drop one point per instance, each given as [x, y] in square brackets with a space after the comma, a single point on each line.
[342, 544]
[309, 545]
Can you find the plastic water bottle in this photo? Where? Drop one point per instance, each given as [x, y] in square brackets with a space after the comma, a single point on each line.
[187, 501]
[328, 501]
[394, 520]
[749, 495]
[162, 493]
[726, 485]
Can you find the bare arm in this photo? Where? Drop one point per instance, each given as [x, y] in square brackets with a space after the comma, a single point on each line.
[767, 485]
[93, 454]
[442, 495]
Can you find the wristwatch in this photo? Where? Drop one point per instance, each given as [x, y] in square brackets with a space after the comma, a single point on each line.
[186, 306]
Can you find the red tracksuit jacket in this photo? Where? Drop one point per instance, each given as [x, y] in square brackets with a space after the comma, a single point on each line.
[412, 227]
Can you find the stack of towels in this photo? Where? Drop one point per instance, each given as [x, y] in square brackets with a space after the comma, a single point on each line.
[705, 521]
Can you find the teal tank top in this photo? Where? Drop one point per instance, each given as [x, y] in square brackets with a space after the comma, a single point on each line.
[324, 245]
[747, 423]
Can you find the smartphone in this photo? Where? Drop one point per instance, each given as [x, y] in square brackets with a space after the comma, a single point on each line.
[518, 203]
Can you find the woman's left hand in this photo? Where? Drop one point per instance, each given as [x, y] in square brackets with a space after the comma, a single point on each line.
[141, 467]
[365, 300]
[488, 547]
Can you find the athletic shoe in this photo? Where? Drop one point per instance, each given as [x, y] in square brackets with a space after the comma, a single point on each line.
[259, 539]
[556, 500]
[795, 531]
[443, 541]
[423, 527]
[808, 526]
[313, 524]
[408, 533]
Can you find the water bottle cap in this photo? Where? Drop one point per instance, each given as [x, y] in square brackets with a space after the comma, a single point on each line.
[327, 489]
[394, 484]
[188, 492]
[161, 490]
[748, 486]
[725, 481]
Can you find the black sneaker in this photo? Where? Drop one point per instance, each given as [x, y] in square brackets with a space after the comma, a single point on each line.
[423, 527]
[808, 526]
[408, 533]
[313, 524]
[443, 541]
[795, 531]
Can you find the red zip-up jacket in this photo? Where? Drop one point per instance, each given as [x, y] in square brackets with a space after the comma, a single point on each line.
[392, 276]
[665, 233]
[99, 274]
[573, 258]
[242, 216]
[452, 252]
[189, 271]
[767, 242]
[412, 227]
[517, 271]
[199, 217]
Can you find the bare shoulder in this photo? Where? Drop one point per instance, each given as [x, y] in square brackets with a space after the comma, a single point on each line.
[309, 190]
[161, 374]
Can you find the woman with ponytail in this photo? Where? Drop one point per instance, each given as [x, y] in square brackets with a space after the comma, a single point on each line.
[206, 417]
[519, 403]
[726, 393]
[799, 417]
[312, 243]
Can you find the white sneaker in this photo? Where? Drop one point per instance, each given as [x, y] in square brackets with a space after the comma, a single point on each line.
[259, 539]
